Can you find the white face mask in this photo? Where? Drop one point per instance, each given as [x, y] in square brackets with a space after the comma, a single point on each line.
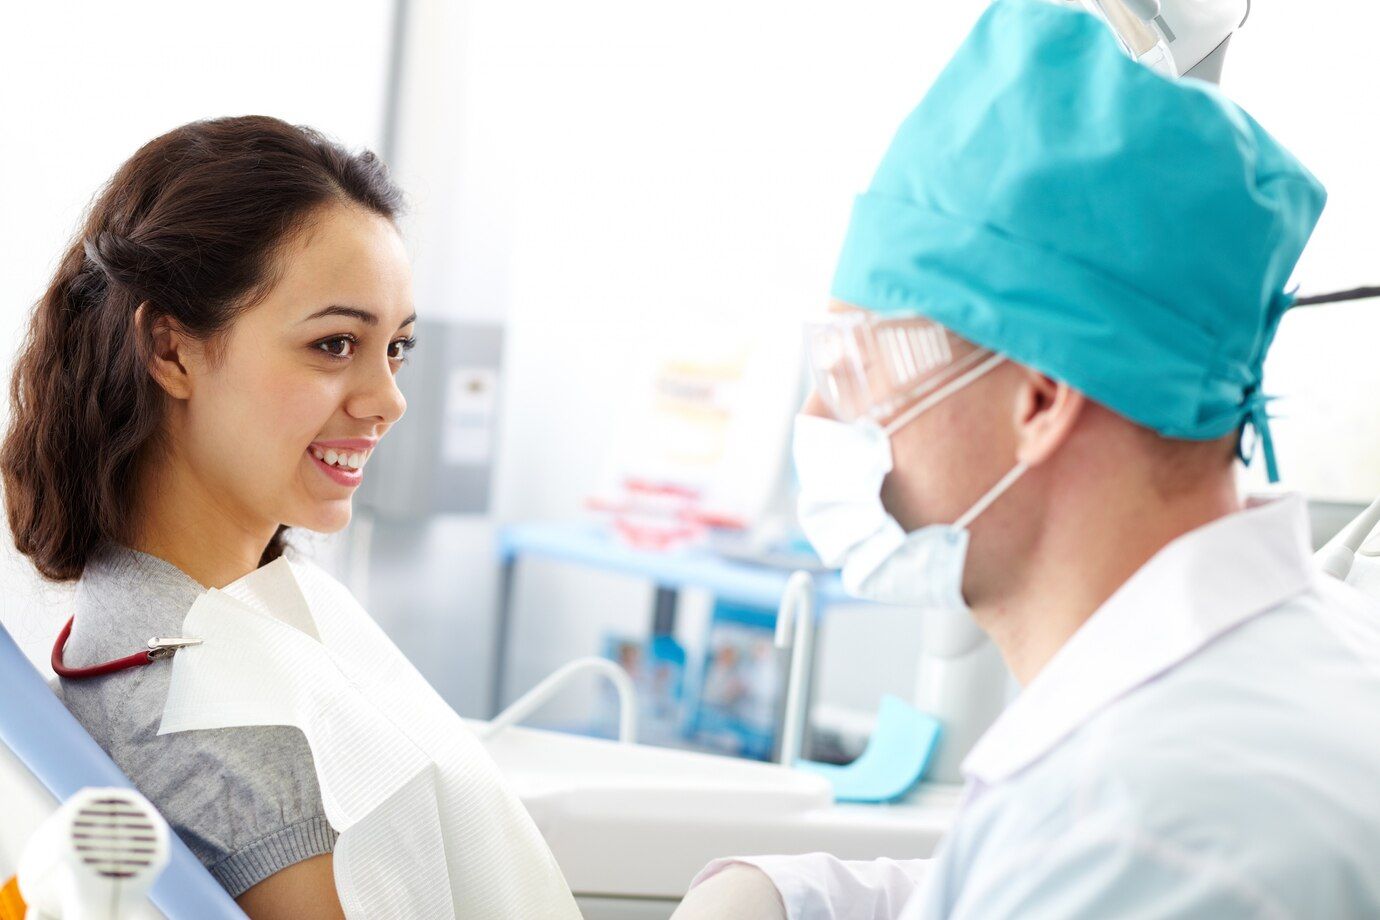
[841, 467]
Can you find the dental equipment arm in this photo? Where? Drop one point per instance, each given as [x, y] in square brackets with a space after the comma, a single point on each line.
[1337, 557]
[960, 680]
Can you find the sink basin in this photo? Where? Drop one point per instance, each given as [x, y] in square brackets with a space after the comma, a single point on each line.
[627, 820]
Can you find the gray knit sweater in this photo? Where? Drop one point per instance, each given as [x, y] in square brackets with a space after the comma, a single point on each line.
[245, 800]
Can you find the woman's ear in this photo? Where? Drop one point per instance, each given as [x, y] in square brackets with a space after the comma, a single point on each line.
[1046, 412]
[172, 349]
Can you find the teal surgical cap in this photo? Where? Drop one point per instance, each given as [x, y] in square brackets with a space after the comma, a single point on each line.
[1057, 202]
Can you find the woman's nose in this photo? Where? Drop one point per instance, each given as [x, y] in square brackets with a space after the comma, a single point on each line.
[396, 402]
[379, 398]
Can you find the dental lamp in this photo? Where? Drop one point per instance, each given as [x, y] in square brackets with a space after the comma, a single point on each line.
[1176, 37]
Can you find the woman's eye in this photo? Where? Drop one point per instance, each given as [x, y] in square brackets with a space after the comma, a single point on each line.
[342, 346]
[398, 349]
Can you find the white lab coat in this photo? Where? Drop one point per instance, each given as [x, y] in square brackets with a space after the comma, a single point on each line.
[1207, 745]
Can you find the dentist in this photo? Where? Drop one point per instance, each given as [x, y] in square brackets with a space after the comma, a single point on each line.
[1051, 316]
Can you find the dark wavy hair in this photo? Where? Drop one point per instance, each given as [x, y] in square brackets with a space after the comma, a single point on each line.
[190, 228]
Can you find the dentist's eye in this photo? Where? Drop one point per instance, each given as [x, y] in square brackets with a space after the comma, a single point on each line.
[398, 348]
[339, 346]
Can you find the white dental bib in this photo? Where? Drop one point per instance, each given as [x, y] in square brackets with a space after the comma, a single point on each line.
[428, 827]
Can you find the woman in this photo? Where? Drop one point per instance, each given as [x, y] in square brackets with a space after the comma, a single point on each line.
[213, 362]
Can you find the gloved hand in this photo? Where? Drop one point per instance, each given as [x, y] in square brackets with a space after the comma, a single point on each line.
[740, 892]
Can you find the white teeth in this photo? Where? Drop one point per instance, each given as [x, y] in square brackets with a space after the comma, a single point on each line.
[342, 460]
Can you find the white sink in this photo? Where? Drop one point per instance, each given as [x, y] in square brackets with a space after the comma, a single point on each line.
[632, 821]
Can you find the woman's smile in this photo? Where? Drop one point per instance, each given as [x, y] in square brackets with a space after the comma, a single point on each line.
[342, 461]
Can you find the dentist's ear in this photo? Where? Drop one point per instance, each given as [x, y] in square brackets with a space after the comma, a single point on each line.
[170, 354]
[1046, 412]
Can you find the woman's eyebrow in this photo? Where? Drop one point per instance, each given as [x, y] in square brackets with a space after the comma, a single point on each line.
[364, 316]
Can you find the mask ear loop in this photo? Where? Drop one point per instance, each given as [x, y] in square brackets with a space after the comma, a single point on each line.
[992, 495]
[948, 389]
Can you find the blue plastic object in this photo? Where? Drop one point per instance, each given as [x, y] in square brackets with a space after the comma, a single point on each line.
[730, 579]
[61, 755]
[896, 757]
[1053, 200]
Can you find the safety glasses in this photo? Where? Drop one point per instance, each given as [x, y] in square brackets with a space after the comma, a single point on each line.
[867, 367]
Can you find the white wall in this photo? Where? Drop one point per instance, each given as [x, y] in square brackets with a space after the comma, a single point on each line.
[660, 168]
[1307, 71]
[84, 84]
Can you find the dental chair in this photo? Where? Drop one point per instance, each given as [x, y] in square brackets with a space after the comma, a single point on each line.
[46, 757]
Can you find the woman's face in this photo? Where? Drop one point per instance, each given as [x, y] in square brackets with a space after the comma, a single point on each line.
[280, 424]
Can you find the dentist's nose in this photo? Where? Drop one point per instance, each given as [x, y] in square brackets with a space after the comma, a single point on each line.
[815, 405]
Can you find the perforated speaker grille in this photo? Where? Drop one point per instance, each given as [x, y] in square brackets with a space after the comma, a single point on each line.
[115, 837]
